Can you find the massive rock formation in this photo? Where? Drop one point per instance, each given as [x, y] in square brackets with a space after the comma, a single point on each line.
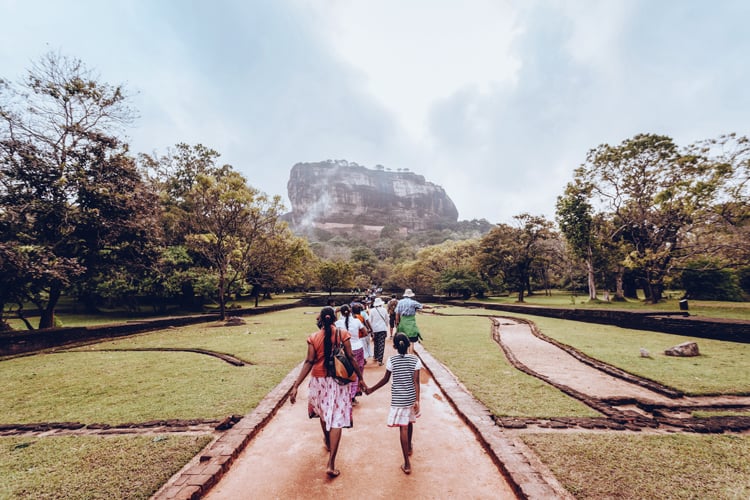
[340, 194]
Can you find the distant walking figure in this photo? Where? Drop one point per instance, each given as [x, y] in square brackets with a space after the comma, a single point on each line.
[404, 394]
[406, 317]
[392, 315]
[327, 399]
[379, 322]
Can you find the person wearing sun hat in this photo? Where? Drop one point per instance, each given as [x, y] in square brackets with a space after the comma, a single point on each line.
[406, 317]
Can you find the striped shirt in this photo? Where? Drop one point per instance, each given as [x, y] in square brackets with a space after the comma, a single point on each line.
[403, 391]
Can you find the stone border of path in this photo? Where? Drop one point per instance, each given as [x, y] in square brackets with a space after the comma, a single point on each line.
[527, 475]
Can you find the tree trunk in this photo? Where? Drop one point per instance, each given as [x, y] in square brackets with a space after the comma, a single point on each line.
[47, 317]
[630, 286]
[591, 277]
[222, 301]
[654, 291]
[619, 290]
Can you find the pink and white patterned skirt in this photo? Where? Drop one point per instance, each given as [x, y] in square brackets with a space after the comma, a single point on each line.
[330, 401]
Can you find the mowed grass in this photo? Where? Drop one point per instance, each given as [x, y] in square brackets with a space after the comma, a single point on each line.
[67, 317]
[464, 344]
[625, 467]
[90, 385]
[92, 467]
[708, 308]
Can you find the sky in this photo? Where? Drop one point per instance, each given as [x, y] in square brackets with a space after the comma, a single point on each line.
[497, 101]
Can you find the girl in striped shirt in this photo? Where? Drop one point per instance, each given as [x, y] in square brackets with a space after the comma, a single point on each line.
[404, 393]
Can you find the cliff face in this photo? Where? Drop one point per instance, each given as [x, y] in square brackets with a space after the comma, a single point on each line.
[331, 193]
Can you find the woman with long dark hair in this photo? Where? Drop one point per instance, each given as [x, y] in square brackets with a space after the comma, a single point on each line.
[327, 399]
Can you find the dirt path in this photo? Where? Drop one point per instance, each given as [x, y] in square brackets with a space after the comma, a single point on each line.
[287, 458]
[631, 400]
[550, 361]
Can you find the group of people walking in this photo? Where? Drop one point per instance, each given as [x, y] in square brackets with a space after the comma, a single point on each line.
[352, 327]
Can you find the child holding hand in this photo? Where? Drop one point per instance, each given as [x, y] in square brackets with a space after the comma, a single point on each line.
[404, 393]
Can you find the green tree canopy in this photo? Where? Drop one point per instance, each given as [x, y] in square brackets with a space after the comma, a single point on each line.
[71, 198]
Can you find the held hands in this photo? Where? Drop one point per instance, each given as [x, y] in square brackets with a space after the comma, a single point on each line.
[363, 387]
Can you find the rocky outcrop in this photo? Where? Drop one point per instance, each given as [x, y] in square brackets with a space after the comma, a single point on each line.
[339, 193]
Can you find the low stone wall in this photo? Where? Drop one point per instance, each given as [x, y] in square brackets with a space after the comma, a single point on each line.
[27, 341]
[678, 322]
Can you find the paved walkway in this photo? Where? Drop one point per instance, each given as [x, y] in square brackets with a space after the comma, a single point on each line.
[287, 458]
[277, 452]
[551, 362]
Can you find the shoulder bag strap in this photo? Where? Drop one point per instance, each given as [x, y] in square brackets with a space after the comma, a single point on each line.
[378, 311]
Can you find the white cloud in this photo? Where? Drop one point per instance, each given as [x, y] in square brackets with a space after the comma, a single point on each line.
[413, 53]
[496, 100]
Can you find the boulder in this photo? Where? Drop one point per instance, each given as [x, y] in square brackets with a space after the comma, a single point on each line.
[685, 350]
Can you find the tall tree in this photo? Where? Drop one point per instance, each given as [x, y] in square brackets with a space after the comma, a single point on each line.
[656, 193]
[510, 252]
[227, 218]
[574, 216]
[69, 192]
[278, 259]
[334, 274]
[173, 175]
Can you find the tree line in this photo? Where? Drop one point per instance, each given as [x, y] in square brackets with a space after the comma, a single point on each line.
[81, 216]
[644, 215]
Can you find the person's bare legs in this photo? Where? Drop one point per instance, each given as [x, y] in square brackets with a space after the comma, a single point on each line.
[411, 433]
[334, 438]
[405, 438]
[326, 435]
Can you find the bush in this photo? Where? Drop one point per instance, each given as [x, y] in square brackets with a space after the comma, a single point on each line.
[704, 281]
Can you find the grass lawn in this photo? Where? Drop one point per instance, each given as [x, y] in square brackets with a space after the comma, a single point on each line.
[615, 465]
[90, 386]
[68, 316]
[92, 467]
[721, 368]
[679, 466]
[87, 385]
[709, 308]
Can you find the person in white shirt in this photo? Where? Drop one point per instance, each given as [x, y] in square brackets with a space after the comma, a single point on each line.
[357, 330]
[379, 322]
